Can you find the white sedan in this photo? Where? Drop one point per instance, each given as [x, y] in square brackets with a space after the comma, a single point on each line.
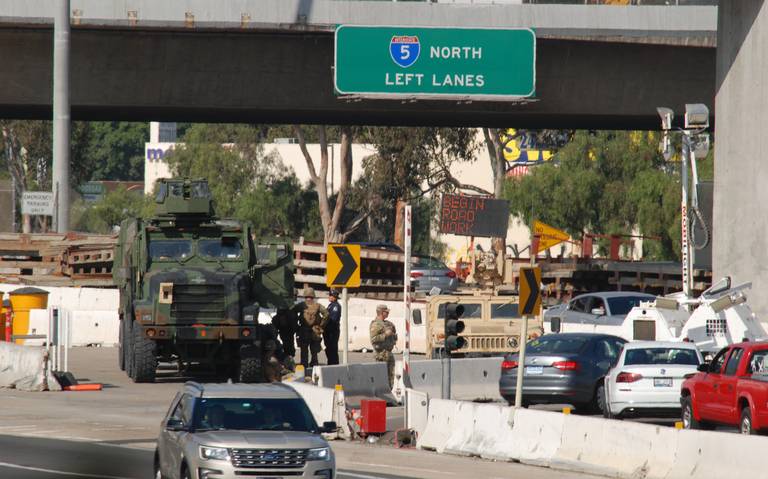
[647, 377]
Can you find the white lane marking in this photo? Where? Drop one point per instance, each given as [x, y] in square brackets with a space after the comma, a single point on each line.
[405, 468]
[60, 473]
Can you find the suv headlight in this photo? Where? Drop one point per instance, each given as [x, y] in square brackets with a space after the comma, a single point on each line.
[214, 453]
[319, 454]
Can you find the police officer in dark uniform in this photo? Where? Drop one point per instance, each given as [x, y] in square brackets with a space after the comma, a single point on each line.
[333, 328]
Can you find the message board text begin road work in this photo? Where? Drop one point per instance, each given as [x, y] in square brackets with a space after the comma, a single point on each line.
[474, 216]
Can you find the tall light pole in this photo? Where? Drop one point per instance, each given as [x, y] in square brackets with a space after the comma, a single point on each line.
[61, 118]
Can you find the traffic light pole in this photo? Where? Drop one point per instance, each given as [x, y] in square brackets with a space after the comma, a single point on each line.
[446, 363]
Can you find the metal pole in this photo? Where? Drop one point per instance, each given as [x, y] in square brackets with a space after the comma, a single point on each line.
[521, 363]
[684, 247]
[61, 116]
[344, 326]
[407, 296]
[446, 363]
[66, 341]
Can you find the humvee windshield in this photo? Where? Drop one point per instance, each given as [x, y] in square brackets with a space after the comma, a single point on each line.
[170, 249]
[504, 311]
[221, 248]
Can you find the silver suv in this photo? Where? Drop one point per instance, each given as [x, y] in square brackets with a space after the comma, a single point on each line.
[219, 431]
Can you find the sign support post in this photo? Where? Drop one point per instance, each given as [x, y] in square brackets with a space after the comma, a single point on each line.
[345, 326]
[530, 305]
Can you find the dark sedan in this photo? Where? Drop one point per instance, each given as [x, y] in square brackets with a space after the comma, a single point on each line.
[563, 368]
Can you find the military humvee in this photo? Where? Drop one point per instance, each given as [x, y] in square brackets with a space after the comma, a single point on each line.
[492, 324]
[191, 287]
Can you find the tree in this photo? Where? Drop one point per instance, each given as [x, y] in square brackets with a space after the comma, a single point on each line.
[104, 215]
[331, 212]
[115, 150]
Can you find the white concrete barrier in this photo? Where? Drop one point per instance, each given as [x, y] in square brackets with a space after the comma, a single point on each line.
[416, 410]
[472, 379]
[441, 419]
[87, 327]
[705, 454]
[25, 368]
[536, 436]
[366, 379]
[478, 429]
[76, 299]
[326, 405]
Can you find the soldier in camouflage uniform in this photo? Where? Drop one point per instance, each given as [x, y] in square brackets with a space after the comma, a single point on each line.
[312, 318]
[383, 340]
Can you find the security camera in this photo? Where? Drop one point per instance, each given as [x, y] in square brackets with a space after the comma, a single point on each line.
[666, 115]
[696, 115]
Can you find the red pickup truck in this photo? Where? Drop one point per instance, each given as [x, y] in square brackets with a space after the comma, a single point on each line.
[731, 390]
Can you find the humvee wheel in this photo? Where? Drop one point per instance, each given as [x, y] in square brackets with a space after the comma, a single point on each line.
[144, 360]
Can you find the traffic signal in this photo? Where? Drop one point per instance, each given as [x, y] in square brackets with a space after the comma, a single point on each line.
[453, 327]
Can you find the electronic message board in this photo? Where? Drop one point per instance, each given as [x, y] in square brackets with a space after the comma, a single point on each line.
[474, 216]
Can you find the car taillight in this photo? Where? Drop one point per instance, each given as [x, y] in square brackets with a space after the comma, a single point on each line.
[508, 365]
[566, 365]
[628, 377]
[416, 274]
[451, 274]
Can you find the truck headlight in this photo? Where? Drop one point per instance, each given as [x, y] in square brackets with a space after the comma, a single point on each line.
[319, 454]
[214, 453]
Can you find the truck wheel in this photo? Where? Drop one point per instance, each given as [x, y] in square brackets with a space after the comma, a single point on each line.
[144, 364]
[689, 420]
[128, 348]
[120, 347]
[745, 424]
[250, 369]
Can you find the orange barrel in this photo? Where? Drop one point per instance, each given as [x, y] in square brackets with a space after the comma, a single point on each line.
[22, 301]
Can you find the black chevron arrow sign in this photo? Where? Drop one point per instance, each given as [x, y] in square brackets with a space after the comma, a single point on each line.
[343, 263]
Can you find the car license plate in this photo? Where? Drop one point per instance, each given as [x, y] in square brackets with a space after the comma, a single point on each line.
[533, 370]
[662, 382]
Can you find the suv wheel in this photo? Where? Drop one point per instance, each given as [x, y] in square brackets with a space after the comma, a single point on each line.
[144, 360]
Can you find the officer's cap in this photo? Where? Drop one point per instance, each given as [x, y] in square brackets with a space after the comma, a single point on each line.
[334, 293]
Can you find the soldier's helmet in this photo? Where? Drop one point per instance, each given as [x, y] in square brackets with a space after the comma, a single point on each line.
[381, 308]
[309, 293]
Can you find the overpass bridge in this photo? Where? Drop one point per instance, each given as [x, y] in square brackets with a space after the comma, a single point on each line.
[267, 61]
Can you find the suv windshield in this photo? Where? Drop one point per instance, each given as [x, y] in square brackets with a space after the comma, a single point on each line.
[253, 415]
[170, 249]
[225, 248]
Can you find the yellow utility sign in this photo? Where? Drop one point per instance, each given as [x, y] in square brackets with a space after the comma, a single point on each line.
[343, 266]
[530, 291]
[548, 236]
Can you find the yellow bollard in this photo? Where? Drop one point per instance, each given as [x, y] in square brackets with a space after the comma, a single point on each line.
[679, 425]
[566, 410]
[299, 373]
[22, 301]
[339, 387]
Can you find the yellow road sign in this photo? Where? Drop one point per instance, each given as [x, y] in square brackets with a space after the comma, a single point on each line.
[548, 235]
[343, 266]
[530, 291]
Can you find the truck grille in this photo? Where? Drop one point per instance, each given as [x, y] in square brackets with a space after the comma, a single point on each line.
[269, 458]
[489, 343]
[198, 302]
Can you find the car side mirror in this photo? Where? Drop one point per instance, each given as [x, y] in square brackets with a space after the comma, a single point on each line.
[598, 311]
[703, 368]
[417, 316]
[175, 425]
[554, 324]
[329, 427]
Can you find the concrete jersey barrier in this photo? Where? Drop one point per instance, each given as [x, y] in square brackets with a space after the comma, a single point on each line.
[472, 379]
[326, 405]
[25, 368]
[366, 379]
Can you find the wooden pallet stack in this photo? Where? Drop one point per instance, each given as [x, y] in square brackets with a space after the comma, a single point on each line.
[53, 259]
[381, 272]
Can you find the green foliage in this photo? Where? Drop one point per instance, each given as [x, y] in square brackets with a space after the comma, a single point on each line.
[605, 183]
[115, 150]
[103, 215]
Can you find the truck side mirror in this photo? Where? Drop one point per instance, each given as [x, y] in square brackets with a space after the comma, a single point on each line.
[554, 324]
[417, 316]
[598, 311]
[329, 427]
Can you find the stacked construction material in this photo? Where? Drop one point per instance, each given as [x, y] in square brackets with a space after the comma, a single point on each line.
[52, 259]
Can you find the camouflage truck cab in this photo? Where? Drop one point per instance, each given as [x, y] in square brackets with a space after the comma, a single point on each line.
[492, 324]
[191, 287]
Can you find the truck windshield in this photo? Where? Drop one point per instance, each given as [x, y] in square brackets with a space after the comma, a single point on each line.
[223, 248]
[163, 250]
[253, 415]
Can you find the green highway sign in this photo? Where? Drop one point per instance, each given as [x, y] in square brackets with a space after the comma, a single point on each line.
[447, 63]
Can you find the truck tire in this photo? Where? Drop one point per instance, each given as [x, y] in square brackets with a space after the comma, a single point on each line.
[689, 420]
[121, 347]
[128, 347]
[144, 364]
[250, 369]
[745, 422]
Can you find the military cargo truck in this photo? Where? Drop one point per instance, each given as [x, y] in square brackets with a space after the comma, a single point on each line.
[191, 287]
[492, 324]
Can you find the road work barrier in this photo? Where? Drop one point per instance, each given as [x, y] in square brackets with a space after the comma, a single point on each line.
[586, 444]
[416, 410]
[326, 405]
[25, 368]
[366, 379]
[473, 379]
